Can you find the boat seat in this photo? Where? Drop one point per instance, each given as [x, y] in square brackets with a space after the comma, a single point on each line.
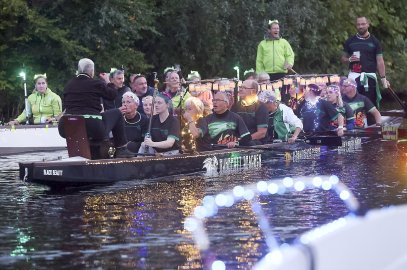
[78, 142]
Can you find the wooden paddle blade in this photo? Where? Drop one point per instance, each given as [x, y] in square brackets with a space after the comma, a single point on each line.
[324, 140]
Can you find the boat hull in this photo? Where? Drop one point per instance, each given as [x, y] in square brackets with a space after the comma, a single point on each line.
[79, 171]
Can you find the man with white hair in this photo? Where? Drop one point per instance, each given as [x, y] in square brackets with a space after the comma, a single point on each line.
[223, 127]
[283, 124]
[82, 96]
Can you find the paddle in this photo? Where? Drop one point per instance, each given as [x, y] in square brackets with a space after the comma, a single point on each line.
[252, 148]
[323, 140]
[312, 140]
[396, 97]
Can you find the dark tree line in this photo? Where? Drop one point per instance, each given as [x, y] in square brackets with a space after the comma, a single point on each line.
[210, 36]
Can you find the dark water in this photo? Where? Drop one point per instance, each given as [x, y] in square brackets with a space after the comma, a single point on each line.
[135, 225]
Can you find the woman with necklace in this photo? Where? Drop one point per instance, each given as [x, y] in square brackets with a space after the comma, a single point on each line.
[135, 123]
[165, 130]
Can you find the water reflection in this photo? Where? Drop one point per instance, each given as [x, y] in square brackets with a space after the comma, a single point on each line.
[139, 225]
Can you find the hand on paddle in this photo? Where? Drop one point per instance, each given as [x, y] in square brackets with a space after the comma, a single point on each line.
[232, 144]
[13, 123]
[339, 132]
[292, 139]
[148, 142]
[385, 83]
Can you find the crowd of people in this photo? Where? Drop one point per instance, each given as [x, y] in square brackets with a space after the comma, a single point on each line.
[188, 116]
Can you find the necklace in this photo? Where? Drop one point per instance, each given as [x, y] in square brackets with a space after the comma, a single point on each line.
[360, 37]
[133, 123]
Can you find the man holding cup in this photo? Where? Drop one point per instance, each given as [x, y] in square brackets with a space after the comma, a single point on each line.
[363, 53]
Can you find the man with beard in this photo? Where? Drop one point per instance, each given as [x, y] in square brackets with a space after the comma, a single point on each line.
[363, 53]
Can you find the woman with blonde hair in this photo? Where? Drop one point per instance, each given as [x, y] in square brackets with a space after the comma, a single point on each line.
[333, 95]
[194, 111]
[147, 105]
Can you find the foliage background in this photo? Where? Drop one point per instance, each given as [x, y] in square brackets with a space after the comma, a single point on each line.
[211, 36]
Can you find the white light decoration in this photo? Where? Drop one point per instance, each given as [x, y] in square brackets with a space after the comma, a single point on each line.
[288, 182]
[317, 181]
[299, 186]
[326, 185]
[262, 186]
[220, 200]
[211, 204]
[344, 195]
[190, 224]
[218, 265]
[238, 191]
[274, 257]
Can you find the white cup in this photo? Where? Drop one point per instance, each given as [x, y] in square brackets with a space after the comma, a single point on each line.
[356, 54]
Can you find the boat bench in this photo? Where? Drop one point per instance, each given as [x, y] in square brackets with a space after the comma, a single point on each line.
[78, 142]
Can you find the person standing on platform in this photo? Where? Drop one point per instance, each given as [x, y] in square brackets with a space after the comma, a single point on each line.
[275, 56]
[364, 55]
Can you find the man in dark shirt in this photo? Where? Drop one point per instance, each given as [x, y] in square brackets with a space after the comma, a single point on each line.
[223, 127]
[253, 113]
[141, 89]
[363, 53]
[116, 77]
[82, 96]
[361, 105]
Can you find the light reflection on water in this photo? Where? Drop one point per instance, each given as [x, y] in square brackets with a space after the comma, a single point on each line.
[135, 225]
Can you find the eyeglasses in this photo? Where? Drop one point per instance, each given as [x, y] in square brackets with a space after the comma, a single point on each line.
[218, 100]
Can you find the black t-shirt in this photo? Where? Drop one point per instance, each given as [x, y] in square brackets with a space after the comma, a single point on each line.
[368, 48]
[347, 113]
[82, 95]
[316, 117]
[221, 129]
[254, 116]
[360, 105]
[161, 131]
[136, 128]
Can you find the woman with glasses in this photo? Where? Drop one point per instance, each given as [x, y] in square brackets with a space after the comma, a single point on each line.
[222, 127]
[333, 95]
[43, 106]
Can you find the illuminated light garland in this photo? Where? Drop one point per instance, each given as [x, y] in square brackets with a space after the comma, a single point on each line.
[211, 204]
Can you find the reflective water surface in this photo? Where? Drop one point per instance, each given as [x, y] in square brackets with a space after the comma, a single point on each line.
[137, 225]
